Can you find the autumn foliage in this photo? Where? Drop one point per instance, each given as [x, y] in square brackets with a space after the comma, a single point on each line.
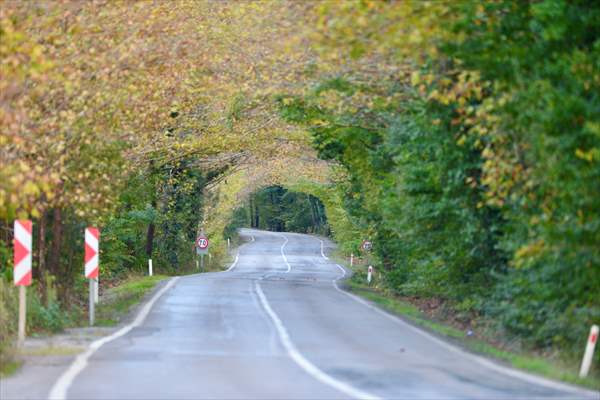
[463, 138]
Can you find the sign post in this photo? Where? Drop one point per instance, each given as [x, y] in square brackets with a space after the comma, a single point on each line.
[202, 248]
[92, 241]
[366, 246]
[22, 270]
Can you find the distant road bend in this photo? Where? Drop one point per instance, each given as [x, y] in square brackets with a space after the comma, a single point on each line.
[277, 326]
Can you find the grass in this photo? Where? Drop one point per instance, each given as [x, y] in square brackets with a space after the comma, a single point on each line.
[52, 351]
[117, 302]
[8, 368]
[523, 361]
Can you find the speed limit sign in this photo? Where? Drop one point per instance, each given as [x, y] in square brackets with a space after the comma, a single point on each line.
[367, 245]
[202, 242]
[202, 245]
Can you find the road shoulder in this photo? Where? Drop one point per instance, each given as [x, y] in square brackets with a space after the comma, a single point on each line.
[412, 315]
[44, 359]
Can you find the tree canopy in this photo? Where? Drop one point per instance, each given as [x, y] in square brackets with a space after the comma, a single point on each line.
[462, 137]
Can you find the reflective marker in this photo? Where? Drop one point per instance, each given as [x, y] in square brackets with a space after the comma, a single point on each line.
[586, 363]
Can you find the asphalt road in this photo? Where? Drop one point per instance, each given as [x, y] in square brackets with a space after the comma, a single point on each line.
[277, 326]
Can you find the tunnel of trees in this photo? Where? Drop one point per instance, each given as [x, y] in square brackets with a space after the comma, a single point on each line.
[462, 138]
[278, 209]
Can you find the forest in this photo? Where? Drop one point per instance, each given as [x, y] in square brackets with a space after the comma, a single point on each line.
[461, 138]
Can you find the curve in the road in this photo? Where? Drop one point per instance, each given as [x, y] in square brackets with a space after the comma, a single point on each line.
[271, 326]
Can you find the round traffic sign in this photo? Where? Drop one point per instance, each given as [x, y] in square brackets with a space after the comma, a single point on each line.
[367, 245]
[202, 242]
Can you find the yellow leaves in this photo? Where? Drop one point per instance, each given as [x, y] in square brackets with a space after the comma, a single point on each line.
[590, 155]
[29, 188]
[528, 251]
[319, 122]
[114, 74]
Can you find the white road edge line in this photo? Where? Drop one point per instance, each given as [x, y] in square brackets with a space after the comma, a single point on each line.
[479, 360]
[289, 267]
[302, 362]
[60, 388]
[232, 266]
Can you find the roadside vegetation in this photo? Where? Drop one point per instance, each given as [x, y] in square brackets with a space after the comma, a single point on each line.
[462, 138]
[117, 302]
[472, 163]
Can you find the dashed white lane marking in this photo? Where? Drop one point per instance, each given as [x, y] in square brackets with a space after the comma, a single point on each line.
[289, 267]
[299, 359]
[322, 253]
[60, 388]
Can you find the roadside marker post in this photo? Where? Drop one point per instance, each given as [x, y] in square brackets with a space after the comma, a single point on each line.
[586, 363]
[351, 259]
[366, 246]
[97, 290]
[22, 270]
[149, 267]
[92, 241]
[228, 245]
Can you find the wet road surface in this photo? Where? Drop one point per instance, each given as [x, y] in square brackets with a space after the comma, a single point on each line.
[277, 326]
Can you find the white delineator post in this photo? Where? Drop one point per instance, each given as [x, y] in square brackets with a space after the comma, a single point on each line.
[149, 267]
[22, 270]
[92, 241]
[228, 244]
[589, 352]
[351, 259]
[369, 274]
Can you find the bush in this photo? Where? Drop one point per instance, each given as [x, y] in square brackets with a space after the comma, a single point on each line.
[9, 301]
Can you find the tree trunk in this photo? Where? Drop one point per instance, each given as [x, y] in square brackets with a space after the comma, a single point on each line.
[150, 239]
[313, 215]
[41, 265]
[151, 226]
[251, 211]
[57, 232]
[257, 219]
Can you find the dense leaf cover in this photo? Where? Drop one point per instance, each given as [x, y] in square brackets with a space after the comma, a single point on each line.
[463, 138]
[477, 172]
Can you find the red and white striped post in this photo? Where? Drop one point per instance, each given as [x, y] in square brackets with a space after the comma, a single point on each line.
[22, 269]
[92, 241]
[588, 355]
